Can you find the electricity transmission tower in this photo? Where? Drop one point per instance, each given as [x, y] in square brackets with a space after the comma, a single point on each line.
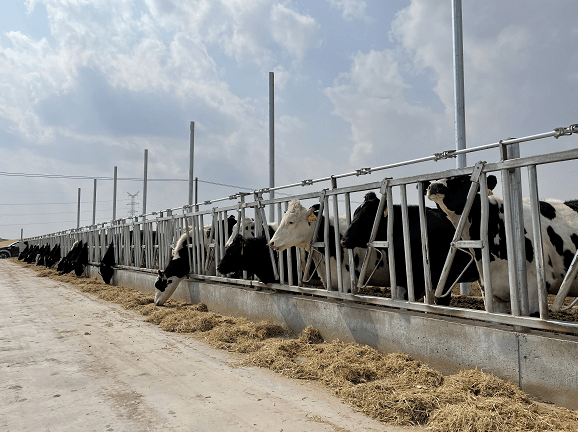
[132, 210]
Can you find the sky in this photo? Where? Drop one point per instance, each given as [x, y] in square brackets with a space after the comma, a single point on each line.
[87, 85]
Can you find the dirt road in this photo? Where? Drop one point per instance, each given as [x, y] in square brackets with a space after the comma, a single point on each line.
[70, 362]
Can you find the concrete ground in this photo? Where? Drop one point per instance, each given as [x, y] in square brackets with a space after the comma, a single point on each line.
[71, 362]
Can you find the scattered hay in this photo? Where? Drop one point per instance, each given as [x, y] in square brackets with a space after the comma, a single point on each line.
[391, 388]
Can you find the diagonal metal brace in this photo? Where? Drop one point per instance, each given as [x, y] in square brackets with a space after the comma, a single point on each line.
[475, 178]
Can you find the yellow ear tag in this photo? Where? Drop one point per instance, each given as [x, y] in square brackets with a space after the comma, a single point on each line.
[490, 193]
[312, 218]
[385, 213]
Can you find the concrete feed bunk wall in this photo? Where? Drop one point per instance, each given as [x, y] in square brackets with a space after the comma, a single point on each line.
[545, 365]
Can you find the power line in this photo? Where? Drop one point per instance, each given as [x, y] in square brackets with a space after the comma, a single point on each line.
[78, 177]
[66, 203]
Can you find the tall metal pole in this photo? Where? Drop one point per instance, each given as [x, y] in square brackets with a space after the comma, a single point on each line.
[78, 212]
[459, 100]
[271, 143]
[21, 244]
[114, 194]
[191, 162]
[196, 190]
[146, 166]
[94, 204]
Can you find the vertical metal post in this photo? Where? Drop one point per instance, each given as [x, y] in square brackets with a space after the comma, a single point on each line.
[513, 152]
[196, 192]
[538, 246]
[350, 252]
[407, 244]
[94, 204]
[271, 142]
[191, 162]
[338, 256]
[326, 250]
[78, 212]
[114, 194]
[429, 297]
[21, 244]
[459, 99]
[146, 166]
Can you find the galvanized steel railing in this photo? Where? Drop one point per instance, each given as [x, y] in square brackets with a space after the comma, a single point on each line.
[145, 242]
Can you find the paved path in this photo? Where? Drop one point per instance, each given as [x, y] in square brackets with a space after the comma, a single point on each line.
[70, 362]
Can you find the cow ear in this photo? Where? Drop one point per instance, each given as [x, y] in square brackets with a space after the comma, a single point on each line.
[492, 182]
[311, 216]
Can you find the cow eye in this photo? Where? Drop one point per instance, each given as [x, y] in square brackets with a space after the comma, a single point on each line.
[290, 222]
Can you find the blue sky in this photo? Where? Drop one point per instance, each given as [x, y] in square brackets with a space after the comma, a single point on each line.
[88, 85]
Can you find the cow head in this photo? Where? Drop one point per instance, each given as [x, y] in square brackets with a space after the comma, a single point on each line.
[168, 280]
[358, 233]
[450, 194]
[234, 259]
[107, 272]
[296, 228]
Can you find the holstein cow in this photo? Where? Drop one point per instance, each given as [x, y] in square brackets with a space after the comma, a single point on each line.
[24, 252]
[30, 256]
[251, 254]
[178, 267]
[297, 228]
[71, 260]
[53, 257]
[106, 268]
[41, 255]
[440, 234]
[559, 228]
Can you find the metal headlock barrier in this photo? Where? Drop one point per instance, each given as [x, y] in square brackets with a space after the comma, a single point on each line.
[144, 243]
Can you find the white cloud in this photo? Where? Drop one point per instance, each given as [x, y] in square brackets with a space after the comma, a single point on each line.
[293, 31]
[514, 85]
[350, 9]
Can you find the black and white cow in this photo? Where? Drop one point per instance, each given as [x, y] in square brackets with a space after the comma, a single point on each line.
[24, 252]
[53, 257]
[71, 260]
[178, 267]
[559, 228]
[251, 254]
[43, 252]
[297, 228]
[30, 256]
[106, 267]
[440, 234]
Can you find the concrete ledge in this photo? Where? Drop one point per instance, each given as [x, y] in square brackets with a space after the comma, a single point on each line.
[545, 365]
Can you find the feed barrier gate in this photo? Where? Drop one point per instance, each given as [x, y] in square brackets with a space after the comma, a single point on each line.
[145, 243]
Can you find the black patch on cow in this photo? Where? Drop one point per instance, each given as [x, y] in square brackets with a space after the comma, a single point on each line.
[107, 264]
[550, 261]
[347, 267]
[556, 240]
[573, 204]
[547, 210]
[529, 250]
[574, 239]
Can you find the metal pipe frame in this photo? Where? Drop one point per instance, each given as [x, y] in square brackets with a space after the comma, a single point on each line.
[121, 231]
